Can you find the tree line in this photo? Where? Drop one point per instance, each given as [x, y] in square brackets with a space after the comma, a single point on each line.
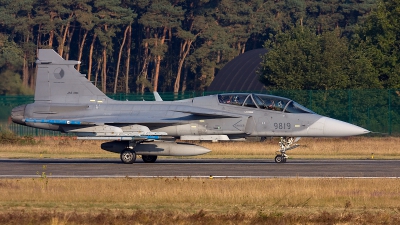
[177, 45]
[369, 58]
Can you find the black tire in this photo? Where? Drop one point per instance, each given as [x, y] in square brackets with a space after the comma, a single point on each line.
[279, 159]
[149, 158]
[128, 156]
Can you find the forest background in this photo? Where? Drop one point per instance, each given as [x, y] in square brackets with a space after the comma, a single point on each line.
[176, 45]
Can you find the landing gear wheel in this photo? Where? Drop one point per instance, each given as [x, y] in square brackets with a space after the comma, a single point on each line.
[280, 159]
[128, 156]
[149, 158]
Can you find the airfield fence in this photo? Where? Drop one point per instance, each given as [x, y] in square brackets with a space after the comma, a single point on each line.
[375, 110]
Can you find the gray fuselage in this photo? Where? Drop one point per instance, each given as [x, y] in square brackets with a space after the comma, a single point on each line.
[198, 116]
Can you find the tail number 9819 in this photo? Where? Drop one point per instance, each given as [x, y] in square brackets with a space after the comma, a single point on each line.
[282, 126]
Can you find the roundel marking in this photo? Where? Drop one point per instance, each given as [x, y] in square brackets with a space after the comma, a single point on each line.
[59, 73]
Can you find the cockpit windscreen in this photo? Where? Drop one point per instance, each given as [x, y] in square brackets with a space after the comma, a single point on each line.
[268, 102]
[294, 107]
[271, 102]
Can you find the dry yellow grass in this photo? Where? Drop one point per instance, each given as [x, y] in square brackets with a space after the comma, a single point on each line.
[311, 148]
[188, 201]
[188, 195]
[55, 147]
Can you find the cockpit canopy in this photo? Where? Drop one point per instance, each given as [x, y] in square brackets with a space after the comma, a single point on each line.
[269, 102]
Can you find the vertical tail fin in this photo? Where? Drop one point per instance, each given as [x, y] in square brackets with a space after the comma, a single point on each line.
[57, 81]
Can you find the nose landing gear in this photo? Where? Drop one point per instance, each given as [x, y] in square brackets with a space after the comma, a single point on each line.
[286, 144]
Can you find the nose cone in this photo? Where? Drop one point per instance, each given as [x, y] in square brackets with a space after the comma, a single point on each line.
[17, 114]
[337, 128]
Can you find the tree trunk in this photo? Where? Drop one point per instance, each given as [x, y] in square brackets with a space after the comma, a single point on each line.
[128, 57]
[104, 70]
[62, 42]
[119, 59]
[243, 49]
[157, 60]
[38, 42]
[146, 59]
[185, 48]
[142, 87]
[51, 36]
[97, 71]
[33, 77]
[185, 74]
[24, 72]
[143, 73]
[91, 55]
[70, 34]
[81, 48]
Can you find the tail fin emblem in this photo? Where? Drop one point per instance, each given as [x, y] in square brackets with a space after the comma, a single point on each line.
[59, 73]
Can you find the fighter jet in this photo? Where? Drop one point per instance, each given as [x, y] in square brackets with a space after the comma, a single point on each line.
[65, 100]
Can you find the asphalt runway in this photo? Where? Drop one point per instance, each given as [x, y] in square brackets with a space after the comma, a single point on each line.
[217, 168]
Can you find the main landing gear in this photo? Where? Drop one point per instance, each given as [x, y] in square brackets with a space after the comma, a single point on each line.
[128, 156]
[285, 144]
[149, 158]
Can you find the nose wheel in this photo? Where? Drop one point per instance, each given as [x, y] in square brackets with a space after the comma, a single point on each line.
[280, 158]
